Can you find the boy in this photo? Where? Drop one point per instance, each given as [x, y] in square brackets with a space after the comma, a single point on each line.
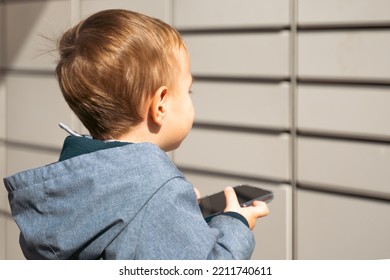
[116, 195]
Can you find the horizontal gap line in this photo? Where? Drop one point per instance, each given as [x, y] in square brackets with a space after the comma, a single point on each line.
[222, 127]
[343, 137]
[32, 72]
[343, 192]
[300, 133]
[211, 173]
[305, 186]
[21, 1]
[271, 80]
[232, 30]
[300, 28]
[30, 146]
[300, 80]
[5, 214]
[343, 27]
[350, 82]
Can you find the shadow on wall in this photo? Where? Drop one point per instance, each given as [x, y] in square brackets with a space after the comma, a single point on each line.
[26, 39]
[29, 31]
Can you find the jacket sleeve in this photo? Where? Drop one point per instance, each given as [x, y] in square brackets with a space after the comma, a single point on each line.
[173, 228]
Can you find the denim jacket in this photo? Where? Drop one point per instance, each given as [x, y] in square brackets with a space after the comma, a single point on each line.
[118, 202]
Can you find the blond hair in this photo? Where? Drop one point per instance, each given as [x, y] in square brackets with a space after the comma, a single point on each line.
[111, 63]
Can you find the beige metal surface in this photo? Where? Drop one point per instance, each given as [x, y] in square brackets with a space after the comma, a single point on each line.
[348, 12]
[30, 45]
[234, 14]
[349, 110]
[350, 55]
[237, 153]
[342, 227]
[35, 107]
[348, 165]
[242, 55]
[155, 8]
[246, 104]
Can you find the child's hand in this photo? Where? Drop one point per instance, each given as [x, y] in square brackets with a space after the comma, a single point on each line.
[251, 213]
[197, 192]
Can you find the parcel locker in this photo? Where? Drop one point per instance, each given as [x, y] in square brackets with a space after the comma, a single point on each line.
[343, 13]
[250, 55]
[357, 111]
[256, 105]
[230, 14]
[232, 152]
[337, 227]
[354, 55]
[348, 166]
[30, 103]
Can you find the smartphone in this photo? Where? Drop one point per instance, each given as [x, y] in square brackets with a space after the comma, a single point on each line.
[215, 204]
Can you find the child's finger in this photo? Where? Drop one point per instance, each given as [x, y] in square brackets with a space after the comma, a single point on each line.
[261, 208]
[197, 192]
[231, 199]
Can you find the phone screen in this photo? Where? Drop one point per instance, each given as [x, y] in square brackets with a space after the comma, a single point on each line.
[216, 203]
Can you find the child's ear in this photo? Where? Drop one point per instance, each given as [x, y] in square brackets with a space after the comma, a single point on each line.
[158, 106]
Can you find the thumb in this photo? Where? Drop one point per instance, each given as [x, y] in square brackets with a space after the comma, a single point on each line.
[197, 192]
[231, 200]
